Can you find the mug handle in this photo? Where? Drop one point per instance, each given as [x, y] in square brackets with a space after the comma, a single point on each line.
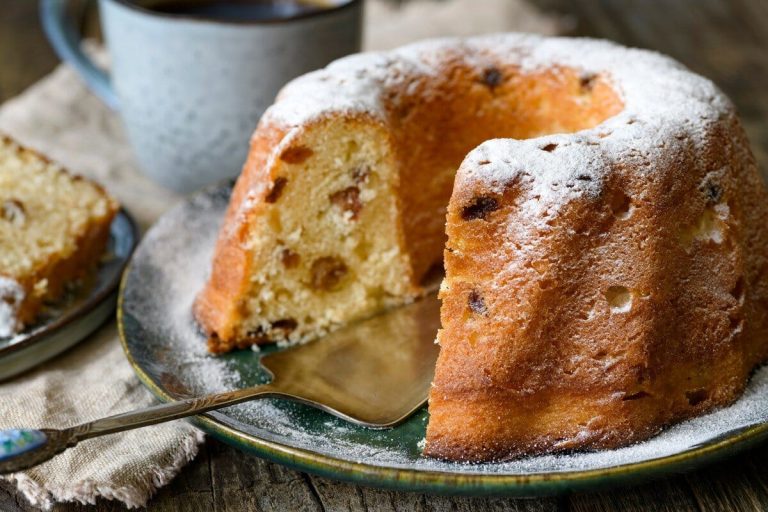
[63, 35]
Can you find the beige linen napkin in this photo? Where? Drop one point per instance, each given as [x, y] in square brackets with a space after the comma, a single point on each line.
[60, 118]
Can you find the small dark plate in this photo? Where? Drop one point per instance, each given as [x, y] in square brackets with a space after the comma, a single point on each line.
[65, 325]
[168, 353]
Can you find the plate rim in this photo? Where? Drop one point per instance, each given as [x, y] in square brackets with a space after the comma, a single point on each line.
[444, 482]
[92, 302]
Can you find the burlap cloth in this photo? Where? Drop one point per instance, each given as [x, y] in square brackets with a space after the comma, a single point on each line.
[60, 118]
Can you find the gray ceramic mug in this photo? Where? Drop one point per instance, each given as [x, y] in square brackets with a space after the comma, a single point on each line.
[190, 90]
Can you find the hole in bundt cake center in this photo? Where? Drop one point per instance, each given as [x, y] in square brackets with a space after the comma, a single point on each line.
[437, 120]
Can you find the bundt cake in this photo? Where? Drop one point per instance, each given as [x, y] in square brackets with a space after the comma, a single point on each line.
[53, 231]
[606, 258]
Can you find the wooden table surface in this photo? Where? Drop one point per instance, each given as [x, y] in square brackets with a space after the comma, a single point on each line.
[724, 40]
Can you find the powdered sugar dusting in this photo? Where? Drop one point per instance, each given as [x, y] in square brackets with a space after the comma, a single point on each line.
[171, 266]
[174, 276]
[11, 294]
[663, 103]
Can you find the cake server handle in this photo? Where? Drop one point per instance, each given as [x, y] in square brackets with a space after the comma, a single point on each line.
[22, 449]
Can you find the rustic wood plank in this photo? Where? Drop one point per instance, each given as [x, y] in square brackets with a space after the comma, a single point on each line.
[192, 490]
[25, 56]
[340, 496]
[737, 484]
[242, 482]
[724, 41]
[444, 503]
[670, 495]
[10, 501]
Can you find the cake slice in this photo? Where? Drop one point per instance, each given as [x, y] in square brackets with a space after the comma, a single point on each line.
[54, 227]
[322, 250]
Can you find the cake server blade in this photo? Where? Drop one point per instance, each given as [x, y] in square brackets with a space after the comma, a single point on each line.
[374, 373]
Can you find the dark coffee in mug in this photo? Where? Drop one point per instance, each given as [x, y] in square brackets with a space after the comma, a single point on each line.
[237, 10]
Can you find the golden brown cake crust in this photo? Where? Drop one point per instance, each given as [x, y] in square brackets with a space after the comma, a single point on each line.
[641, 307]
[605, 277]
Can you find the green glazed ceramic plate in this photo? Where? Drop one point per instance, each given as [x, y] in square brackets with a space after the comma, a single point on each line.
[63, 325]
[168, 353]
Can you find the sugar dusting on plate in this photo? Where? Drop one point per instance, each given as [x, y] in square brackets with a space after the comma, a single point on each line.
[11, 294]
[170, 268]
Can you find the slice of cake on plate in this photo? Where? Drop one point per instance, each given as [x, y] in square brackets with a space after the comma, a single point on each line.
[54, 228]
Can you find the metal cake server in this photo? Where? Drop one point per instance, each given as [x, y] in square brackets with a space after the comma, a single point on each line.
[374, 373]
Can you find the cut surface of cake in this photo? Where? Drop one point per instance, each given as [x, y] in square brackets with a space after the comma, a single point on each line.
[54, 229]
[605, 251]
